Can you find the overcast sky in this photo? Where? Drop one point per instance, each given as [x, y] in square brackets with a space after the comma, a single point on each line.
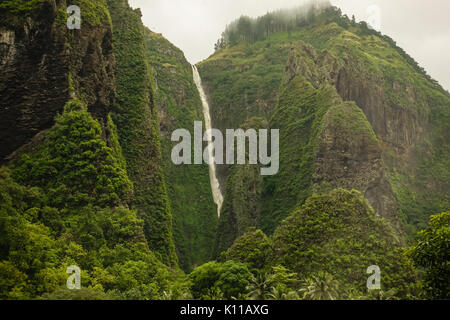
[421, 29]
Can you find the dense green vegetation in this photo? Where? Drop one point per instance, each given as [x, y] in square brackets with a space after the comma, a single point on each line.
[179, 103]
[70, 208]
[136, 116]
[223, 280]
[75, 142]
[19, 6]
[253, 248]
[241, 208]
[298, 140]
[243, 80]
[252, 30]
[94, 13]
[321, 252]
[340, 234]
[100, 191]
[293, 20]
[431, 252]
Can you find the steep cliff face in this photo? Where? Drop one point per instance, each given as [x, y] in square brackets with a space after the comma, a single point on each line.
[79, 126]
[241, 208]
[401, 173]
[398, 127]
[349, 156]
[347, 151]
[136, 115]
[179, 105]
[43, 64]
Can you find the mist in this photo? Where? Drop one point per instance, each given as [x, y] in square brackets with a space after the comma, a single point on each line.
[194, 26]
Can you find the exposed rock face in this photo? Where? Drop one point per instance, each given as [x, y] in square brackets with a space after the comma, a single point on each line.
[348, 153]
[397, 127]
[350, 158]
[7, 46]
[37, 55]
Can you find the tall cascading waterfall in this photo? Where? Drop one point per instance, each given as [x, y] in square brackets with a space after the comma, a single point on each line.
[215, 186]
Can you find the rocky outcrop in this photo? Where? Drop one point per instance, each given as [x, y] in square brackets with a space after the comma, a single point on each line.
[349, 156]
[398, 126]
[43, 64]
[348, 153]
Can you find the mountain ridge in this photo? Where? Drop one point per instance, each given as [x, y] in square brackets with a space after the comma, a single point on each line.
[401, 106]
[87, 177]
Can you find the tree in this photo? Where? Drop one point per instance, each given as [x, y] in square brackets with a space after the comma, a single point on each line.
[432, 253]
[82, 294]
[379, 295]
[276, 285]
[26, 246]
[278, 293]
[75, 167]
[254, 248]
[214, 279]
[260, 287]
[204, 277]
[321, 286]
[234, 279]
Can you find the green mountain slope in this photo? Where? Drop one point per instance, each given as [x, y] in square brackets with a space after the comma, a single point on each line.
[136, 116]
[179, 105]
[79, 217]
[325, 143]
[406, 109]
[86, 176]
[84, 185]
[340, 234]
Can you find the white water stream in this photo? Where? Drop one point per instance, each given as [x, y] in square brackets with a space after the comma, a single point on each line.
[215, 186]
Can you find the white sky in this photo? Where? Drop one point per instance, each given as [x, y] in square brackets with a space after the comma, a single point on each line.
[421, 28]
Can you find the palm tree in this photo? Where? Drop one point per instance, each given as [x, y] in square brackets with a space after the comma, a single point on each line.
[320, 287]
[167, 295]
[380, 295]
[213, 294]
[279, 294]
[260, 287]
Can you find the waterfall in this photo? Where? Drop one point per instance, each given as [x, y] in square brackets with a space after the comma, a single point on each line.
[215, 186]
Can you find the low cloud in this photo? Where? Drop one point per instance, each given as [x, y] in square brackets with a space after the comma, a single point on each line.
[421, 29]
